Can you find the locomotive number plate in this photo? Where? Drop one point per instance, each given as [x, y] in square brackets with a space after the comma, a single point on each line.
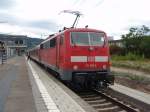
[91, 59]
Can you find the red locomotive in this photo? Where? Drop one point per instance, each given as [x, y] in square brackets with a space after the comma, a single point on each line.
[78, 55]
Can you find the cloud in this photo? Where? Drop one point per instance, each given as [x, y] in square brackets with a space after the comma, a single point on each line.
[5, 4]
[136, 23]
[7, 18]
[43, 24]
[99, 3]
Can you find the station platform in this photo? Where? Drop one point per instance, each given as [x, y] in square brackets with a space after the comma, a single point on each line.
[135, 97]
[25, 87]
[144, 97]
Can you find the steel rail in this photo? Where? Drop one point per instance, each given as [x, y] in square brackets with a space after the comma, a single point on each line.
[117, 102]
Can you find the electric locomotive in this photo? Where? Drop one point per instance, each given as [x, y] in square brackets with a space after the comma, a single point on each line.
[79, 56]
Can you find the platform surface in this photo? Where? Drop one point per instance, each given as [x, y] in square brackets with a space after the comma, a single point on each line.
[25, 87]
[15, 88]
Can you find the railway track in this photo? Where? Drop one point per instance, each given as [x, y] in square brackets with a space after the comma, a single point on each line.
[105, 103]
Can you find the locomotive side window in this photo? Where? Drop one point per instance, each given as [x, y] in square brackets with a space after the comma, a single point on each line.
[53, 42]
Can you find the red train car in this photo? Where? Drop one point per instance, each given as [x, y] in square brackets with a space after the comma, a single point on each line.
[78, 55]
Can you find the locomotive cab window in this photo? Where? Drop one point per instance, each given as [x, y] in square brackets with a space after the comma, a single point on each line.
[87, 38]
[96, 39]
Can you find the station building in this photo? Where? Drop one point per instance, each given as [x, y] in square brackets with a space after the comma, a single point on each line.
[14, 44]
[118, 43]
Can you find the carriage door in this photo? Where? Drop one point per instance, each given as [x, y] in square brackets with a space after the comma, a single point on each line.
[58, 52]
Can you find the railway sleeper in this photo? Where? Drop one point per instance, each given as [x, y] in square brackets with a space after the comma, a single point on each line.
[109, 109]
[103, 105]
[97, 101]
[92, 98]
[89, 96]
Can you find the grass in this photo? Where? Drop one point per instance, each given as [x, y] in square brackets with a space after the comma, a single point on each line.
[140, 79]
[129, 56]
[131, 61]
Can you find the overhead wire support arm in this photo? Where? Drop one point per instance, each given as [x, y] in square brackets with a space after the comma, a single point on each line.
[76, 21]
[77, 13]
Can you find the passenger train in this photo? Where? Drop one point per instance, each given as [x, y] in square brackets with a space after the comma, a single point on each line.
[78, 55]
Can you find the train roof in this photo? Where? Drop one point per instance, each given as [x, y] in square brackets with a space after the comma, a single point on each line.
[70, 30]
[84, 29]
[66, 30]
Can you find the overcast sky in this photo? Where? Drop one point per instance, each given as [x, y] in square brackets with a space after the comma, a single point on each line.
[38, 18]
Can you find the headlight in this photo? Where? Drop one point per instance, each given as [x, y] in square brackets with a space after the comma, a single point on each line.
[75, 67]
[104, 67]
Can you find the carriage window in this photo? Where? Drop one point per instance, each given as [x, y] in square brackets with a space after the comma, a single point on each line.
[41, 46]
[44, 45]
[53, 42]
[47, 44]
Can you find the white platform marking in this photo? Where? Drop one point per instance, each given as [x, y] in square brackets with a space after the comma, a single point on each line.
[51, 106]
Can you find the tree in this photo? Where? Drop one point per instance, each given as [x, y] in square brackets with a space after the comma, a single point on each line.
[145, 46]
[134, 41]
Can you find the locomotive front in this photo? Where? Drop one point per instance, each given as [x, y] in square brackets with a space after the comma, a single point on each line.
[89, 58]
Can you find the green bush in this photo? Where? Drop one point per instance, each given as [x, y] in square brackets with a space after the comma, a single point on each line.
[116, 50]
